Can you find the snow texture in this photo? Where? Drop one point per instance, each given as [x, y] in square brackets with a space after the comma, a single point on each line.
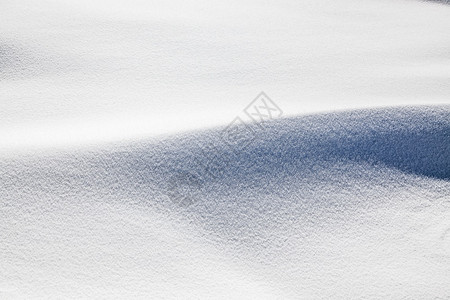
[121, 176]
[352, 204]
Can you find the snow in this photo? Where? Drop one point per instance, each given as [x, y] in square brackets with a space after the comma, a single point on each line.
[118, 178]
[84, 72]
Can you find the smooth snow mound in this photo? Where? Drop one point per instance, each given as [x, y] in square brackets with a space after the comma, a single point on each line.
[83, 72]
[353, 204]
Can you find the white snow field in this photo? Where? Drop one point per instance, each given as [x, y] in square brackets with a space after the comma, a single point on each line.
[119, 178]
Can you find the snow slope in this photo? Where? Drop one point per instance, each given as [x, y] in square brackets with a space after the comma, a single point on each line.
[117, 178]
[353, 204]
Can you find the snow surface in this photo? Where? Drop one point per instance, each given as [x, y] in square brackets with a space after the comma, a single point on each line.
[116, 180]
[340, 205]
[84, 72]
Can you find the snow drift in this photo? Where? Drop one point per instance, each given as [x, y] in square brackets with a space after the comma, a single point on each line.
[351, 204]
[118, 178]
